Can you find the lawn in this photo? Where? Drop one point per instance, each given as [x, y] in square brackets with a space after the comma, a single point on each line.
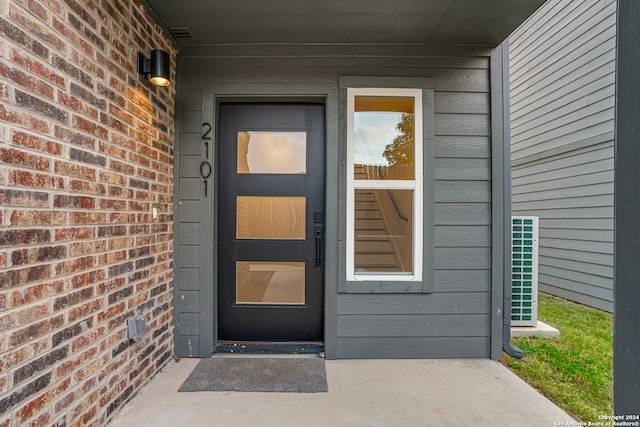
[575, 370]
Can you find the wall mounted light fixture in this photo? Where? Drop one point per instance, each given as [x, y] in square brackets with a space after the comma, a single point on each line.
[156, 68]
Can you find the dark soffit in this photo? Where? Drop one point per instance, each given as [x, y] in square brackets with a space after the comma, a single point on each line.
[459, 22]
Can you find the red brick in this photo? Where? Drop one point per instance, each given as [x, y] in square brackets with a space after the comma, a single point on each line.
[17, 277]
[36, 8]
[37, 217]
[85, 279]
[37, 255]
[35, 293]
[37, 366]
[113, 257]
[121, 218]
[74, 170]
[41, 106]
[87, 64]
[76, 202]
[87, 187]
[86, 418]
[139, 160]
[146, 173]
[34, 199]
[36, 67]
[74, 233]
[38, 29]
[73, 298]
[84, 310]
[92, 128]
[25, 81]
[116, 191]
[113, 150]
[75, 265]
[36, 330]
[84, 340]
[75, 138]
[120, 167]
[72, 36]
[77, 105]
[81, 10]
[71, 70]
[33, 407]
[20, 158]
[86, 218]
[36, 180]
[113, 205]
[36, 143]
[19, 356]
[30, 122]
[31, 314]
[40, 421]
[74, 361]
[86, 402]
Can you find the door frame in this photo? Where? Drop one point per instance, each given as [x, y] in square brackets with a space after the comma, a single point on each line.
[230, 93]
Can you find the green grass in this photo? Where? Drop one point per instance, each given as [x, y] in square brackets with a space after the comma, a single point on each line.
[575, 370]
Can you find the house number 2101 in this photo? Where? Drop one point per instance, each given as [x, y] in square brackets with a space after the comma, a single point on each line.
[205, 166]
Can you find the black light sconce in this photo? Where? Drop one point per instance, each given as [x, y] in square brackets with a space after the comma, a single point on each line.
[156, 68]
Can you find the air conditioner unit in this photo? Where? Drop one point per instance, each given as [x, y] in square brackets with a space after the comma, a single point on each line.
[524, 270]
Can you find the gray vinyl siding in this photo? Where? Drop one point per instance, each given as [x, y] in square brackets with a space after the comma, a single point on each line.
[188, 225]
[455, 319]
[562, 65]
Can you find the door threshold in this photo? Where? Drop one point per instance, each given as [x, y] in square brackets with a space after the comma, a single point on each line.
[269, 349]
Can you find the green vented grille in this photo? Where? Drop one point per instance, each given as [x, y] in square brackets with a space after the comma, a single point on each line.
[524, 270]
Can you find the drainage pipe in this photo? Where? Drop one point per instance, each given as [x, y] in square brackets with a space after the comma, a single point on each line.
[507, 347]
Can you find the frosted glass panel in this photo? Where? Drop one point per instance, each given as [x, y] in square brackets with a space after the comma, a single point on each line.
[265, 282]
[271, 217]
[272, 152]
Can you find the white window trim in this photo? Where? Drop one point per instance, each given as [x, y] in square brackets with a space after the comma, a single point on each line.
[416, 185]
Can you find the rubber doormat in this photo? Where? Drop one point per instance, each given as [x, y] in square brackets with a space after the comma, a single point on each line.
[258, 374]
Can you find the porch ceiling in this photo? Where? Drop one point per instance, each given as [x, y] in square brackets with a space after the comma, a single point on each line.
[467, 22]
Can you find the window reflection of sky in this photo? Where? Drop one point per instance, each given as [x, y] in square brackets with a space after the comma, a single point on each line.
[373, 131]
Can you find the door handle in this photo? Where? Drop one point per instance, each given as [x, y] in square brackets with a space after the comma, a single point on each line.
[318, 235]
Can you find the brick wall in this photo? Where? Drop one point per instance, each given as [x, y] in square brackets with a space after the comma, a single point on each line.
[86, 155]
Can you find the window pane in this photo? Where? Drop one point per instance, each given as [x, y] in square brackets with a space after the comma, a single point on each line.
[384, 138]
[383, 231]
[266, 282]
[270, 217]
[272, 152]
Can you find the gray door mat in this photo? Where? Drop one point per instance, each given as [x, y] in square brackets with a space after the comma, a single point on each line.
[258, 374]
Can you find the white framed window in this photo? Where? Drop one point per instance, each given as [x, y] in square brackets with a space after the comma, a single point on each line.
[384, 184]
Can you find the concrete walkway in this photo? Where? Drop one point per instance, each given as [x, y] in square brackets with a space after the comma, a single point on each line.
[464, 392]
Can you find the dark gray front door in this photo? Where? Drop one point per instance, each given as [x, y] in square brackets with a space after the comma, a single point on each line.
[271, 219]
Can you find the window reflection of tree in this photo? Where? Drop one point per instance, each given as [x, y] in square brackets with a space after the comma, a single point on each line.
[401, 150]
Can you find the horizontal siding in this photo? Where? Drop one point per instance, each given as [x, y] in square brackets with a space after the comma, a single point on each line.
[453, 321]
[413, 348]
[416, 325]
[562, 82]
[188, 225]
[439, 303]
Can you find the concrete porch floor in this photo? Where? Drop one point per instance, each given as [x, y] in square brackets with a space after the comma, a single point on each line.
[462, 392]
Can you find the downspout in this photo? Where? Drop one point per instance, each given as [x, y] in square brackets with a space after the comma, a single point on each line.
[507, 347]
